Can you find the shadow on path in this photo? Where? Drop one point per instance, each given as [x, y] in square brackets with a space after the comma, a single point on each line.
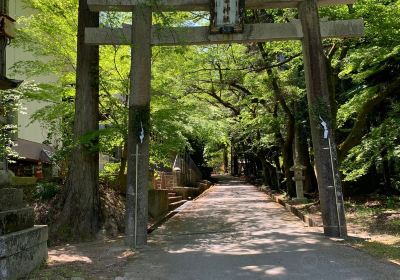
[237, 232]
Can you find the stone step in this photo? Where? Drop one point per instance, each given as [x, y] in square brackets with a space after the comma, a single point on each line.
[173, 199]
[170, 194]
[16, 220]
[174, 205]
[11, 198]
[22, 251]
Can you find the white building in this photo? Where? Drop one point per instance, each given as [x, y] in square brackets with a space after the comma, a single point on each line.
[31, 134]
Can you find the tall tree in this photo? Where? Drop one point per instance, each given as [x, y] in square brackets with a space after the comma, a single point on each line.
[80, 216]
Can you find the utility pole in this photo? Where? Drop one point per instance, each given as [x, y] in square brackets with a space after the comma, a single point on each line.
[329, 183]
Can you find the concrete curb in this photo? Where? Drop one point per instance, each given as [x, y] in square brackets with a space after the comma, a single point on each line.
[204, 193]
[172, 213]
[161, 220]
[305, 218]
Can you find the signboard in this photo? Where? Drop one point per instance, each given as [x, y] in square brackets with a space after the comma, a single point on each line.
[226, 16]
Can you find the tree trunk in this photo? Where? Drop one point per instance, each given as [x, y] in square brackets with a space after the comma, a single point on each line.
[226, 160]
[269, 173]
[80, 218]
[303, 157]
[286, 147]
[121, 173]
[234, 161]
[278, 172]
[287, 144]
[266, 176]
[386, 172]
[287, 154]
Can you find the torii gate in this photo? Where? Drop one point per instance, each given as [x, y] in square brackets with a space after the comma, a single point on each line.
[143, 36]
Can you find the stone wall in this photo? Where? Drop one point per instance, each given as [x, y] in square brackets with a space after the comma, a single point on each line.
[158, 203]
[164, 180]
[23, 246]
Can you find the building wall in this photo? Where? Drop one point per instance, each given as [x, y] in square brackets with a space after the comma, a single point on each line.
[26, 129]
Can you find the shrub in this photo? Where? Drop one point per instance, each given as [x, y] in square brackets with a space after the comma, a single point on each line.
[46, 190]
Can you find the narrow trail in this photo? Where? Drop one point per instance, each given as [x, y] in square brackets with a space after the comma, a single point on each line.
[237, 232]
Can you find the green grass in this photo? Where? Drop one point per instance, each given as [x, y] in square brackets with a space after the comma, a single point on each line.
[381, 250]
[393, 226]
[380, 218]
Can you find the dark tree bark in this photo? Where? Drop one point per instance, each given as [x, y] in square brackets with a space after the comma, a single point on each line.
[287, 143]
[226, 160]
[234, 162]
[278, 172]
[121, 173]
[266, 175]
[269, 171]
[80, 217]
[386, 172]
[302, 155]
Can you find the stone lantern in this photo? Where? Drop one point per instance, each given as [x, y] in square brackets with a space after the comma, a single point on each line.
[299, 178]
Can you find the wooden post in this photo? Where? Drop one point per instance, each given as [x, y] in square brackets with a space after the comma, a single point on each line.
[139, 129]
[329, 183]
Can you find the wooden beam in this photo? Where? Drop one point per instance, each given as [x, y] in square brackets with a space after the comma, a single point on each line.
[198, 5]
[201, 36]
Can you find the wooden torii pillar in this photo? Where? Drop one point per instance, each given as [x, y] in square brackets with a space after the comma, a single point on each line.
[143, 35]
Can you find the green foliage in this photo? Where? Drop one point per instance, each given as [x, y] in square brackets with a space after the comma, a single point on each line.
[392, 202]
[369, 67]
[46, 190]
[10, 106]
[50, 33]
[110, 172]
[385, 137]
[223, 94]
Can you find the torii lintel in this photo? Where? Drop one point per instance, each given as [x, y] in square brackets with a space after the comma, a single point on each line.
[198, 5]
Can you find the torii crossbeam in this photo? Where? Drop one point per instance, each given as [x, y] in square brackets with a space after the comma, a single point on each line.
[142, 36]
[200, 35]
